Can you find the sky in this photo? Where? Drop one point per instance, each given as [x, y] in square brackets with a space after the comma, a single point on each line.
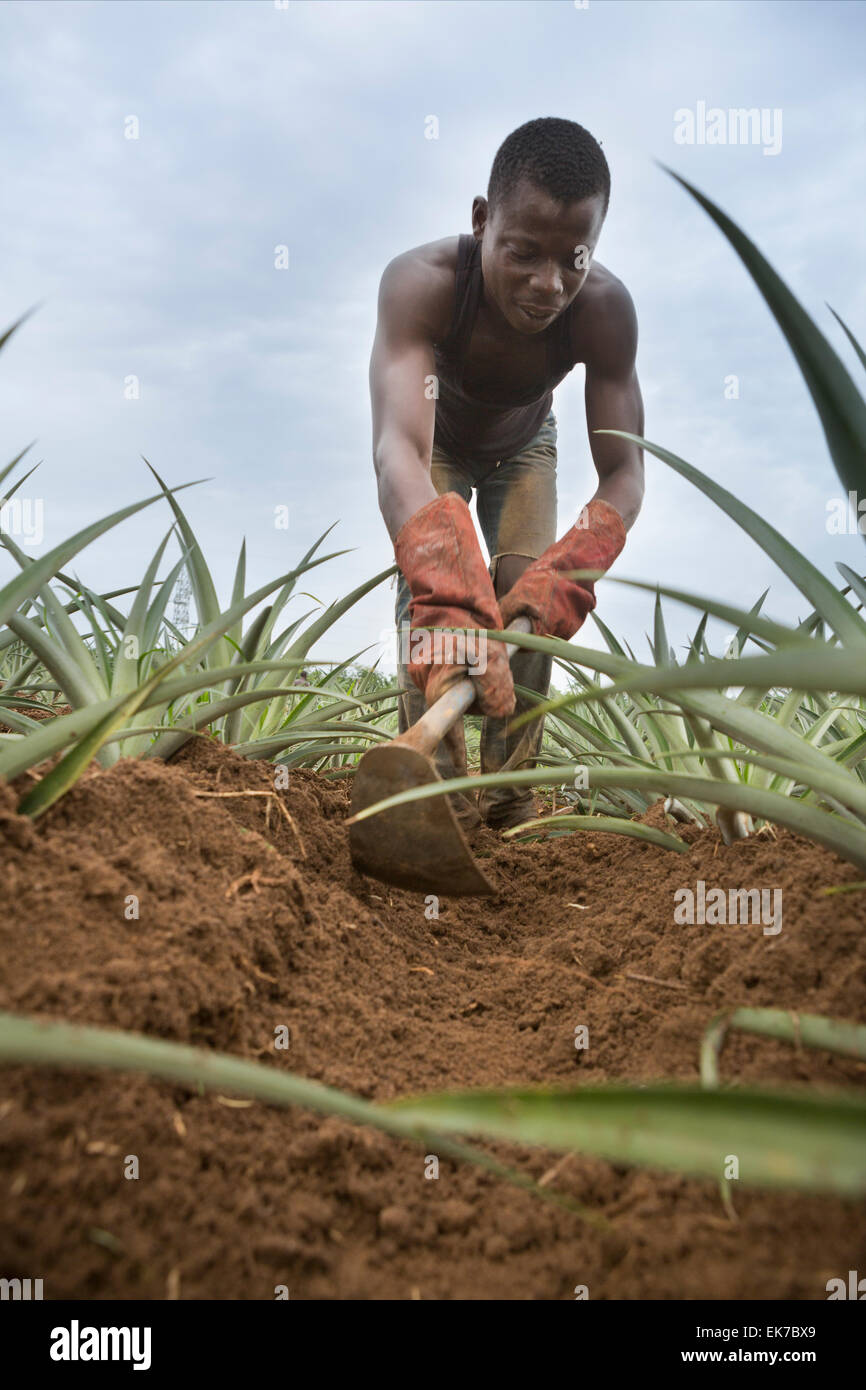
[156, 154]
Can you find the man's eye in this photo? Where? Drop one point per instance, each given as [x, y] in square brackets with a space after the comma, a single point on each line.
[568, 267]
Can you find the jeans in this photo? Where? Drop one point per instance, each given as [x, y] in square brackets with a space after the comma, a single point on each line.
[517, 514]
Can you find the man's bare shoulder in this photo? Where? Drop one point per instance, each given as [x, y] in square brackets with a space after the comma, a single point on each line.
[419, 284]
[606, 326]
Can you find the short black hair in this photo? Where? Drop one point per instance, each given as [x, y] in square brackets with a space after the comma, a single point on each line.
[556, 155]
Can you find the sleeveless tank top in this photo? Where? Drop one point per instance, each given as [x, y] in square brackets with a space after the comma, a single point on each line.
[486, 430]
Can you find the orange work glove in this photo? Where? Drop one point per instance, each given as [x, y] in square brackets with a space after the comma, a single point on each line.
[438, 551]
[558, 605]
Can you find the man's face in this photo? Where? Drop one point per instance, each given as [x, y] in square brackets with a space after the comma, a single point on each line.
[535, 253]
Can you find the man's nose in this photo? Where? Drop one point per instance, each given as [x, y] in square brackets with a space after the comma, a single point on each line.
[547, 283]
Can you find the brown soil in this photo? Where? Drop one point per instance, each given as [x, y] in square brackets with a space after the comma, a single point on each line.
[248, 922]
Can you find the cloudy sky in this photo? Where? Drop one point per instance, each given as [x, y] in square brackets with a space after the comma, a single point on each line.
[303, 126]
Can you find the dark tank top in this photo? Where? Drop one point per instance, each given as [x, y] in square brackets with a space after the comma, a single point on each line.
[485, 430]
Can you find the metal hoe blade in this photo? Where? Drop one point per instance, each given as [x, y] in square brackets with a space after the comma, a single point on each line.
[418, 846]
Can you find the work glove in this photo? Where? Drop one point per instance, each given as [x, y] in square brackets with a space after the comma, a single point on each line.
[556, 604]
[438, 552]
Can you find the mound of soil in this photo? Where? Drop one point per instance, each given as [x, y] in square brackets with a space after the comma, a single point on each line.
[251, 917]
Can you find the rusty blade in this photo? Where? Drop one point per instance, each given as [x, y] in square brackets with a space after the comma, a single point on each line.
[419, 846]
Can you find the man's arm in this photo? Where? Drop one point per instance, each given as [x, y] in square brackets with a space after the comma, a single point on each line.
[613, 402]
[403, 416]
[435, 544]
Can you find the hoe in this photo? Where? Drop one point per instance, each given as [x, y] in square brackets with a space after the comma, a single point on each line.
[421, 845]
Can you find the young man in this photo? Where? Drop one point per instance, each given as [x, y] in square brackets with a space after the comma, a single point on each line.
[473, 334]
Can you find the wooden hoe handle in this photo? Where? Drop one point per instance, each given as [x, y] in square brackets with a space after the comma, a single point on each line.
[432, 727]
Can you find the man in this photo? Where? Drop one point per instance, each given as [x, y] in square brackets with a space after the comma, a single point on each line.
[473, 333]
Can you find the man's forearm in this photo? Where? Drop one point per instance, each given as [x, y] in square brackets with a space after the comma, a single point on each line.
[623, 488]
[405, 486]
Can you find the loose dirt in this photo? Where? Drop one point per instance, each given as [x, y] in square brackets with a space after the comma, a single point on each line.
[250, 919]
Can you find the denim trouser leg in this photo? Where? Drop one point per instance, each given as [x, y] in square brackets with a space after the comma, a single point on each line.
[502, 752]
[517, 513]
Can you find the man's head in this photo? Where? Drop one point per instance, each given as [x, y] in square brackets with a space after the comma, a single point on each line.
[546, 203]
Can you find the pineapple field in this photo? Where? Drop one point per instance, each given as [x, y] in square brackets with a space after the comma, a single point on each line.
[235, 1067]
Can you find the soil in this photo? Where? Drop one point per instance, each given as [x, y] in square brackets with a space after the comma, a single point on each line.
[250, 919]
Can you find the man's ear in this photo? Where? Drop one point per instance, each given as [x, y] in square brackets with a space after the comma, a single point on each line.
[480, 214]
